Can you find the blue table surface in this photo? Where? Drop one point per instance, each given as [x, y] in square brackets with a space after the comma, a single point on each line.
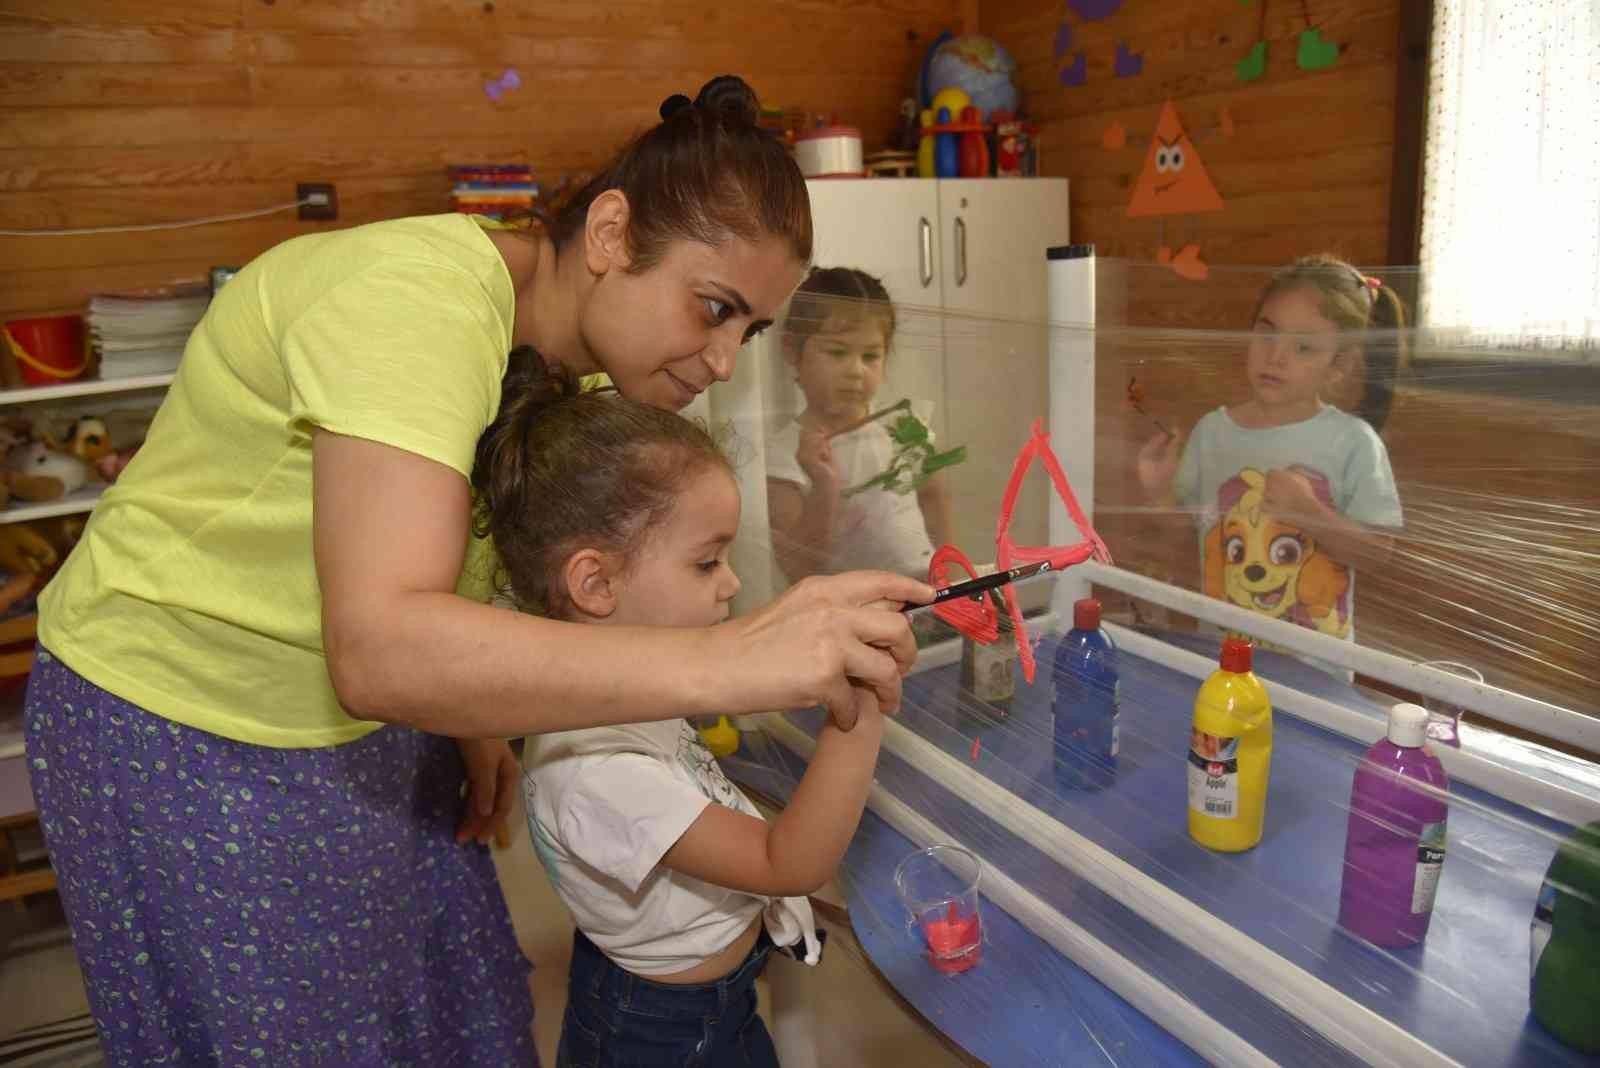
[1464, 991]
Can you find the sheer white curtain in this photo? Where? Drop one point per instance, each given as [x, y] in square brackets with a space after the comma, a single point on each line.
[1511, 178]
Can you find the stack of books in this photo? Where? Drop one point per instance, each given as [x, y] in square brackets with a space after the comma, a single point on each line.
[144, 333]
[493, 189]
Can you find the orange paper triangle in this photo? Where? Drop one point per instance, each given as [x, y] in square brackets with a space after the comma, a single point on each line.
[1174, 181]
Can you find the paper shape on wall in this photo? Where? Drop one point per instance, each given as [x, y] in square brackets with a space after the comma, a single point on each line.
[497, 88]
[1128, 63]
[1115, 137]
[1063, 39]
[1315, 53]
[1253, 65]
[1174, 181]
[1094, 10]
[1186, 264]
[1076, 72]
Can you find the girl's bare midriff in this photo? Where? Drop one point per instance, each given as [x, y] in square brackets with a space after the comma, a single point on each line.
[714, 968]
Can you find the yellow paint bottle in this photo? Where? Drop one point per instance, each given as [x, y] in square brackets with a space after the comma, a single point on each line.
[1230, 754]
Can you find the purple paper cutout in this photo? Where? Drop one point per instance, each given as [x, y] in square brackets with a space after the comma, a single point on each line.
[508, 81]
[1063, 38]
[1129, 63]
[1076, 72]
[1093, 10]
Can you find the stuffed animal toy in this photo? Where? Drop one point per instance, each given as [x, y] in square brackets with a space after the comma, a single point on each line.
[22, 484]
[43, 471]
[89, 440]
[25, 551]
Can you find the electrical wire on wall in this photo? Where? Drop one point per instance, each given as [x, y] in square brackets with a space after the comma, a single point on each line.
[310, 199]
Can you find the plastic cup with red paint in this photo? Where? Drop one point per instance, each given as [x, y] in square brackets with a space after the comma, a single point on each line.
[939, 887]
[1444, 717]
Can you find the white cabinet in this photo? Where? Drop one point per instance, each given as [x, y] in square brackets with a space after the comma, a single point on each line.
[964, 262]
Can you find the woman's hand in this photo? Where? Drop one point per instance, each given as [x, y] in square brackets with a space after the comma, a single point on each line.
[491, 786]
[1158, 464]
[839, 641]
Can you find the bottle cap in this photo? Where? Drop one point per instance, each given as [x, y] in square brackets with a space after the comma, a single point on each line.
[1236, 655]
[1086, 614]
[1408, 725]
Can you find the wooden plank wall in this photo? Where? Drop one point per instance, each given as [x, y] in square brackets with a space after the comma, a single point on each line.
[1309, 165]
[156, 110]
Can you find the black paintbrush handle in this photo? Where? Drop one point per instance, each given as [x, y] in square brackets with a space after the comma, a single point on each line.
[973, 587]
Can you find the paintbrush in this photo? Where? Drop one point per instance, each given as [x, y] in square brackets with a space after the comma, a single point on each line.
[977, 586]
[859, 423]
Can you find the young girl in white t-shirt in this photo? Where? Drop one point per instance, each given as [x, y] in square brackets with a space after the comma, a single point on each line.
[615, 514]
[836, 338]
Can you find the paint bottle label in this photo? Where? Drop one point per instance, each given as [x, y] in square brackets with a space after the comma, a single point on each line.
[1214, 775]
[1430, 859]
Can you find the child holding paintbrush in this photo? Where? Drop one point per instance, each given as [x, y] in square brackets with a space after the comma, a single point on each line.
[851, 484]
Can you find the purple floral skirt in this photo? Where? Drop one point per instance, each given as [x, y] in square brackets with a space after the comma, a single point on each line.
[235, 904]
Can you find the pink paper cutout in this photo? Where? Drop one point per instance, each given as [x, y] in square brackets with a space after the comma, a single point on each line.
[968, 618]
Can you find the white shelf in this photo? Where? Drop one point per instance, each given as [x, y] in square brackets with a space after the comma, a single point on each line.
[82, 500]
[32, 394]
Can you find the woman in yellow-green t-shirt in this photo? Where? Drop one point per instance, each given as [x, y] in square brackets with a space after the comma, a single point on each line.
[253, 864]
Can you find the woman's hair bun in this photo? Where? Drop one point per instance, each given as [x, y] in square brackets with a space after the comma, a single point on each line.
[729, 98]
[674, 104]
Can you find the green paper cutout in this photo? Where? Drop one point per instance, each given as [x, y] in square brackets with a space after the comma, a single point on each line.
[913, 461]
[1315, 53]
[1253, 65]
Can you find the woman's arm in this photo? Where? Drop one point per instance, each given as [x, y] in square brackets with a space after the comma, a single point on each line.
[934, 500]
[390, 532]
[799, 850]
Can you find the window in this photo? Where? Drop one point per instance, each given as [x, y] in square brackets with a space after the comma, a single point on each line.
[1511, 174]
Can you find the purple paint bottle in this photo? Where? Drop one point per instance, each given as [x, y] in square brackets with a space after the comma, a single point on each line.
[1395, 848]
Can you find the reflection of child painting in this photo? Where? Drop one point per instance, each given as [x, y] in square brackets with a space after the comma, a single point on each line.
[1211, 746]
[1291, 492]
[837, 339]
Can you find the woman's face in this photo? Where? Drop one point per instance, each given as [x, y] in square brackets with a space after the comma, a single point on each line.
[665, 334]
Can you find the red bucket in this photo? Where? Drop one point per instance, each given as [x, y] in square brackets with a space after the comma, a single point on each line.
[48, 350]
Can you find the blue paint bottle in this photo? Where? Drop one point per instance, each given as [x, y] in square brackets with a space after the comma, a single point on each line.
[1086, 697]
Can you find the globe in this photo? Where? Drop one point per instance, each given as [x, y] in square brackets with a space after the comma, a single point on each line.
[980, 67]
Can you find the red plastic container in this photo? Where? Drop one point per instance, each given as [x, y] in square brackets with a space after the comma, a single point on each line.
[48, 350]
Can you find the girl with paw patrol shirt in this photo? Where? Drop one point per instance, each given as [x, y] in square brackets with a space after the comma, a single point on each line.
[1289, 492]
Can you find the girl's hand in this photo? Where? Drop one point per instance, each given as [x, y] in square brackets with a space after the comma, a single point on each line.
[1288, 494]
[839, 641]
[815, 457]
[1158, 463]
[491, 787]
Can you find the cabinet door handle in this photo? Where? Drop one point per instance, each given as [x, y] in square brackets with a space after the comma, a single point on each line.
[961, 251]
[926, 230]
